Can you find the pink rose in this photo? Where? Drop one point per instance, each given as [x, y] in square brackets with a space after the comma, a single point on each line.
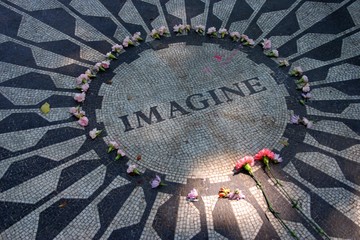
[83, 121]
[80, 97]
[266, 44]
[73, 110]
[82, 79]
[105, 64]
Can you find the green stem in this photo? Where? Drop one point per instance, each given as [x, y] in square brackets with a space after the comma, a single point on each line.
[295, 203]
[271, 209]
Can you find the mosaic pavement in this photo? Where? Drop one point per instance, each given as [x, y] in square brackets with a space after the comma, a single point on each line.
[190, 106]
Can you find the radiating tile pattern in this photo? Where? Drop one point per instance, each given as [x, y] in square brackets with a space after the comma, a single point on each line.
[56, 182]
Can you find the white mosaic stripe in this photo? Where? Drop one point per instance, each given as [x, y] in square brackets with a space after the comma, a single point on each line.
[87, 223]
[201, 19]
[134, 206]
[311, 41]
[340, 73]
[351, 153]
[45, 58]
[247, 218]
[188, 220]
[149, 232]
[351, 112]
[350, 46]
[10, 71]
[241, 26]
[159, 20]
[344, 201]
[223, 10]
[267, 21]
[35, 189]
[330, 93]
[37, 5]
[27, 227]
[177, 9]
[130, 14]
[56, 114]
[91, 54]
[55, 152]
[28, 138]
[25, 96]
[325, 164]
[335, 127]
[210, 202]
[353, 9]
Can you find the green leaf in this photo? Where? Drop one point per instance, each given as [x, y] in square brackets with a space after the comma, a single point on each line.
[45, 108]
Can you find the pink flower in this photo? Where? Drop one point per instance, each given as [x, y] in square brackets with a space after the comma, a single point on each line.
[295, 119]
[249, 42]
[105, 64]
[80, 97]
[112, 146]
[179, 28]
[155, 182]
[235, 36]
[303, 79]
[83, 121]
[94, 133]
[127, 41]
[212, 31]
[273, 53]
[244, 38]
[132, 169]
[155, 34]
[90, 73]
[236, 195]
[74, 110]
[120, 153]
[247, 160]
[200, 29]
[136, 37]
[223, 32]
[163, 30]
[266, 44]
[306, 95]
[264, 153]
[117, 48]
[307, 122]
[98, 67]
[82, 79]
[85, 87]
[193, 195]
[306, 88]
[297, 71]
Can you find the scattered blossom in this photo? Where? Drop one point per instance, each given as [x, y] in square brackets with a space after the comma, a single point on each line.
[193, 195]
[297, 71]
[117, 48]
[273, 53]
[79, 97]
[85, 87]
[307, 123]
[119, 154]
[200, 29]
[83, 121]
[306, 88]
[77, 112]
[83, 78]
[155, 34]
[156, 182]
[112, 146]
[94, 133]
[284, 63]
[236, 195]
[223, 32]
[127, 42]
[224, 192]
[235, 36]
[136, 37]
[163, 31]
[295, 119]
[132, 169]
[212, 31]
[266, 44]
[277, 158]
[110, 56]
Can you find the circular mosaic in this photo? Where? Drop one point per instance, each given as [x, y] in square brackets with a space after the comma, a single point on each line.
[192, 111]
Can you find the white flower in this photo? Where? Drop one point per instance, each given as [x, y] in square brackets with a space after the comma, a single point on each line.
[200, 29]
[117, 48]
[211, 31]
[163, 30]
[306, 88]
[223, 32]
[94, 133]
